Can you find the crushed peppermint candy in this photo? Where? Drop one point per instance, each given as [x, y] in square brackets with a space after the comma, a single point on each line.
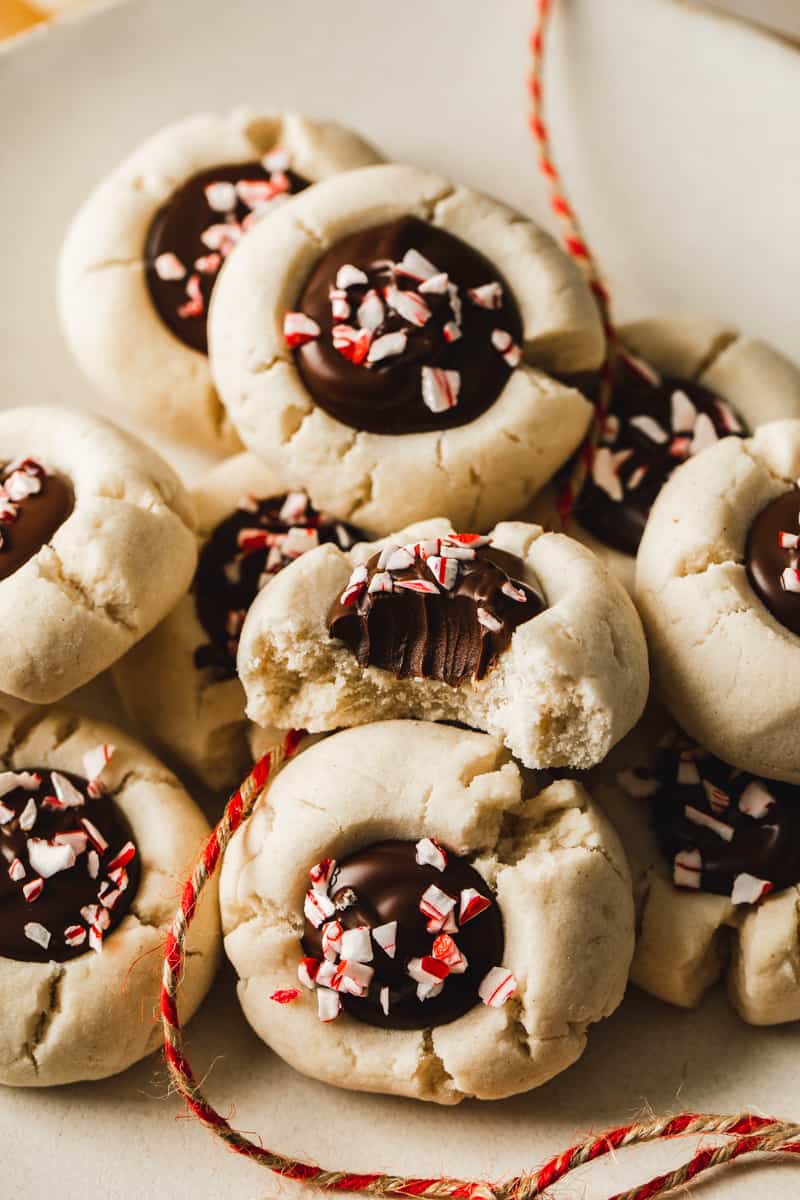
[497, 986]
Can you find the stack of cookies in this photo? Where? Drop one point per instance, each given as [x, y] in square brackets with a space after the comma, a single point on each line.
[392, 373]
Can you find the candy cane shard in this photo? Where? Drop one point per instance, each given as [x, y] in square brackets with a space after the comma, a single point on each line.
[472, 904]
[749, 889]
[440, 388]
[386, 937]
[756, 800]
[49, 858]
[497, 986]
[298, 329]
[356, 945]
[686, 869]
[317, 908]
[37, 933]
[429, 853]
[26, 780]
[698, 817]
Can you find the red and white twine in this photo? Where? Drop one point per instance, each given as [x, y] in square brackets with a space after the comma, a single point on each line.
[748, 1134]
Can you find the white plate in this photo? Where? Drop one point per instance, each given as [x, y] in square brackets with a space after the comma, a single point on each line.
[678, 135]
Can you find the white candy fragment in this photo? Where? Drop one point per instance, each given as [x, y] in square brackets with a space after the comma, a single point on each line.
[384, 1000]
[489, 621]
[497, 986]
[435, 285]
[416, 266]
[96, 760]
[605, 470]
[37, 933]
[48, 858]
[356, 945]
[349, 276]
[507, 347]
[718, 799]
[277, 160]
[220, 196]
[169, 267]
[381, 582]
[429, 853]
[299, 329]
[435, 903]
[370, 311]
[688, 773]
[67, 794]
[328, 1005]
[387, 345]
[11, 780]
[698, 817]
[705, 434]
[6, 814]
[749, 889]
[408, 305]
[444, 570]
[488, 295]
[440, 388]
[686, 869]
[756, 800]
[400, 559]
[683, 413]
[386, 937]
[650, 428]
[790, 579]
[307, 972]
[318, 907]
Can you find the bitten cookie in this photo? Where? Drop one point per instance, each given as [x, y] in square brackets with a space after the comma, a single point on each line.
[94, 835]
[142, 256]
[96, 545]
[681, 385]
[715, 856]
[389, 340]
[408, 913]
[718, 588]
[522, 634]
[179, 683]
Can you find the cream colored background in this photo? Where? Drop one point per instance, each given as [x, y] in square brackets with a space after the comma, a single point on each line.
[678, 133]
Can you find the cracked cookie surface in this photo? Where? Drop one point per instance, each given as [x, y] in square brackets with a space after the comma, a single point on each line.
[157, 373]
[116, 563]
[550, 860]
[90, 1017]
[481, 471]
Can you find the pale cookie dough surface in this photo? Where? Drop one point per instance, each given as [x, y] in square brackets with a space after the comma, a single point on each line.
[558, 873]
[110, 572]
[688, 940]
[724, 666]
[108, 317]
[756, 379]
[572, 682]
[189, 713]
[480, 472]
[96, 1014]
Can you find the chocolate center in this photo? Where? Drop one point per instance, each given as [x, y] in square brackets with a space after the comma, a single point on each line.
[653, 426]
[440, 609]
[68, 868]
[33, 504]
[254, 543]
[194, 232]
[772, 557]
[417, 330]
[384, 883]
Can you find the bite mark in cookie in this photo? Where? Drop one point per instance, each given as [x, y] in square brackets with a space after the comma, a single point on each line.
[443, 608]
[655, 423]
[69, 868]
[249, 546]
[723, 830]
[33, 503]
[194, 232]
[403, 936]
[773, 558]
[404, 328]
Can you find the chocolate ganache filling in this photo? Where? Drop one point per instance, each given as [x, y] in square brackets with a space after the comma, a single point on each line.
[772, 557]
[194, 232]
[444, 608]
[724, 830]
[33, 503]
[244, 551]
[404, 328]
[654, 425]
[403, 933]
[69, 868]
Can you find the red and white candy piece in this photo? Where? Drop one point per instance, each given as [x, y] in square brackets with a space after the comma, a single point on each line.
[489, 620]
[318, 908]
[398, 558]
[749, 889]
[16, 870]
[340, 305]
[370, 311]
[356, 586]
[416, 266]
[423, 586]
[353, 344]
[429, 853]
[408, 305]
[386, 937]
[75, 935]
[321, 874]
[169, 267]
[356, 945]
[440, 388]
[332, 940]
[444, 570]
[427, 970]
[497, 986]
[472, 904]
[96, 938]
[718, 799]
[95, 836]
[37, 933]
[298, 329]
[33, 889]
[208, 264]
[222, 237]
[76, 838]
[194, 305]
[704, 435]
[435, 285]
[788, 541]
[299, 540]
[256, 193]
[470, 541]
[307, 972]
[294, 508]
[276, 160]
[6, 814]
[94, 763]
[506, 347]
[19, 485]
[329, 1005]
[122, 858]
[11, 780]
[381, 582]
[49, 858]
[605, 470]
[445, 949]
[67, 794]
[790, 579]
[93, 864]
[756, 800]
[488, 295]
[513, 592]
[686, 869]
[436, 904]
[698, 817]
[451, 332]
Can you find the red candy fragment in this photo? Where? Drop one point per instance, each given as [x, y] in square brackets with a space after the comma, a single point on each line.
[497, 986]
[299, 329]
[285, 995]
[472, 904]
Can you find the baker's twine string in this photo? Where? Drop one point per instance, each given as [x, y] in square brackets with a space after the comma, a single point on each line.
[753, 1134]
[577, 247]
